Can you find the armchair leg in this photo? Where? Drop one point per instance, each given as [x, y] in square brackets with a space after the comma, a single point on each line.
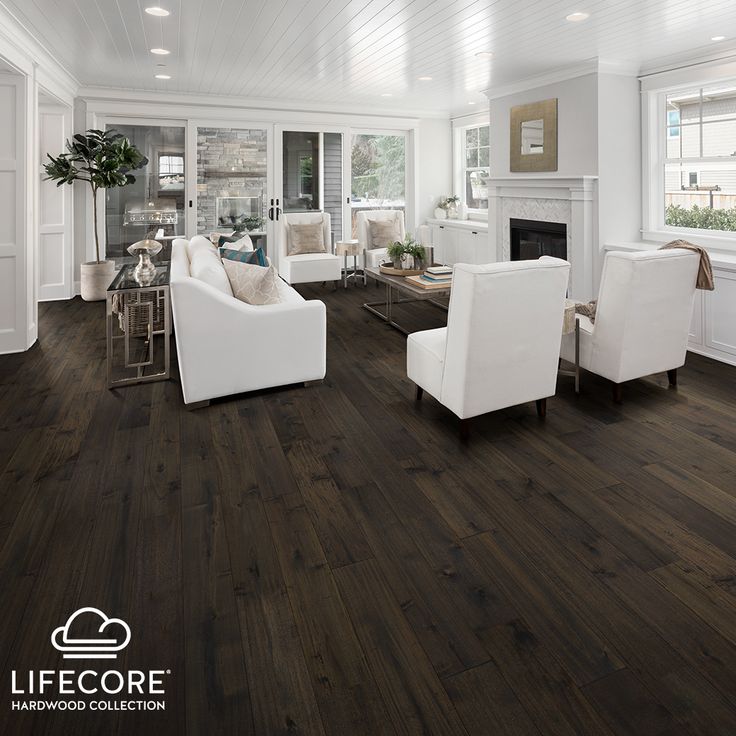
[672, 377]
[542, 408]
[618, 394]
[420, 393]
[464, 429]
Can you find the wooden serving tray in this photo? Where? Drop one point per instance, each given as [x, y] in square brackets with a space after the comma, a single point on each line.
[389, 271]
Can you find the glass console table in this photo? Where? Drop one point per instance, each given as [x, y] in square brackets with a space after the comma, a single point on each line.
[138, 319]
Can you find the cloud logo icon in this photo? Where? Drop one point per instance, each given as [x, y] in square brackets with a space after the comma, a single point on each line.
[102, 648]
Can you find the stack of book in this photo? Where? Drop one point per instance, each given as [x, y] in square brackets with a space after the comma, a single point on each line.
[435, 277]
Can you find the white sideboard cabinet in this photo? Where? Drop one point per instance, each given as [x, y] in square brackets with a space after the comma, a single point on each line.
[460, 241]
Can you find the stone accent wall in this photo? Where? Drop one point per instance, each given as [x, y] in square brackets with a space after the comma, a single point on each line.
[230, 162]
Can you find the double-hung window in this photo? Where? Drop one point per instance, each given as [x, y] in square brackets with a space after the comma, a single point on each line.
[700, 158]
[473, 149]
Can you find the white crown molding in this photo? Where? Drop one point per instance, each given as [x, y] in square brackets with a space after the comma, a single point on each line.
[697, 57]
[254, 105]
[21, 48]
[563, 74]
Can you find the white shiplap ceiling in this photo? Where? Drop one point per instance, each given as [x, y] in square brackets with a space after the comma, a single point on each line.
[361, 52]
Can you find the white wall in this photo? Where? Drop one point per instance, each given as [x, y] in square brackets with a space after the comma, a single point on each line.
[433, 165]
[577, 126]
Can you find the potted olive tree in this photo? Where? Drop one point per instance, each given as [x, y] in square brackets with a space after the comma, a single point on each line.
[104, 159]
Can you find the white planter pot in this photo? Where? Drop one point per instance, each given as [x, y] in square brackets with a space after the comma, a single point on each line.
[96, 277]
[440, 214]
[462, 211]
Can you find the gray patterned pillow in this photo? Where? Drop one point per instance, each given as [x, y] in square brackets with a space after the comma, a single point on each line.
[253, 284]
[382, 233]
[306, 239]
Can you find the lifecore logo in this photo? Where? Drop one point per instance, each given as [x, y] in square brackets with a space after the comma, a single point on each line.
[70, 689]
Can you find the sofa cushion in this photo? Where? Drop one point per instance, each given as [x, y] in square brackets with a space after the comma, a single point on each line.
[206, 266]
[236, 241]
[308, 238]
[253, 284]
[197, 243]
[382, 233]
[256, 257]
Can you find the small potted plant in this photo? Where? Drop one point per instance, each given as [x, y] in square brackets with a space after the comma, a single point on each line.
[104, 159]
[407, 254]
[451, 207]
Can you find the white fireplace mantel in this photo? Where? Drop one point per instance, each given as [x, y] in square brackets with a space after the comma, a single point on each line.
[571, 200]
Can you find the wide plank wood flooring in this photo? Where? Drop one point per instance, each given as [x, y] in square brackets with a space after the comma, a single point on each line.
[332, 560]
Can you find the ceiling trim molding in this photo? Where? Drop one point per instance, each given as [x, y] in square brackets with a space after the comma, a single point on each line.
[21, 47]
[563, 74]
[255, 105]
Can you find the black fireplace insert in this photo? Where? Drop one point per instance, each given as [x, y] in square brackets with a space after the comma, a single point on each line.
[532, 239]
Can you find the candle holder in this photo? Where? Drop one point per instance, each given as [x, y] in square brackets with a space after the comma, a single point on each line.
[145, 270]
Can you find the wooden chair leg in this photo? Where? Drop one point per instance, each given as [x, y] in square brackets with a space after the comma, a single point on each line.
[464, 429]
[672, 377]
[618, 394]
[542, 408]
[420, 393]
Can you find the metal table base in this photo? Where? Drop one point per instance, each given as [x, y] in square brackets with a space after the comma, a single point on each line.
[387, 315]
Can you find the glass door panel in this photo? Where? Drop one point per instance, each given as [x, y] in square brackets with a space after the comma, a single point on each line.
[312, 174]
[232, 182]
[153, 206]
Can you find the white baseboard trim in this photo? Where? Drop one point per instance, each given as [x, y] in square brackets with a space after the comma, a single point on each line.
[718, 355]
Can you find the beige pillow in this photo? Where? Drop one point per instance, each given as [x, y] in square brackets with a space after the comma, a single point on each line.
[382, 233]
[306, 239]
[253, 284]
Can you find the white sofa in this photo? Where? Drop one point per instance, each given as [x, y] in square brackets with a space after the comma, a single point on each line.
[226, 346]
[374, 256]
[642, 319]
[308, 267]
[501, 344]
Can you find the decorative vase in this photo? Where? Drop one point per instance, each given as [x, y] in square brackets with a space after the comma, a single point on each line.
[462, 211]
[95, 278]
[452, 212]
[144, 272]
[440, 214]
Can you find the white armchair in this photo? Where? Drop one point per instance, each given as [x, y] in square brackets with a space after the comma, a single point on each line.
[307, 267]
[500, 346]
[645, 304]
[374, 256]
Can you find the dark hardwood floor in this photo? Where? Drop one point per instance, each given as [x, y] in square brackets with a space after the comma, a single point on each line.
[333, 560]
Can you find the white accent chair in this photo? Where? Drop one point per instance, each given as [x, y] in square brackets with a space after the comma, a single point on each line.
[642, 321]
[225, 346]
[501, 344]
[308, 267]
[374, 256]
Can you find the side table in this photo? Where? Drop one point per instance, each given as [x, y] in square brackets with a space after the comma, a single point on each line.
[571, 324]
[352, 248]
[138, 315]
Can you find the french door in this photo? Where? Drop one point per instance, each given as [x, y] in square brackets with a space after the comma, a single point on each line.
[312, 166]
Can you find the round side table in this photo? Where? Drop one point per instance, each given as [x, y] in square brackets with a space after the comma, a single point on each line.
[352, 248]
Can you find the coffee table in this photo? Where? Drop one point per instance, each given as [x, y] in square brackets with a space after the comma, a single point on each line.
[409, 292]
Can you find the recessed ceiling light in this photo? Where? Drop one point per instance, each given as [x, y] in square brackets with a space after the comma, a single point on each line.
[577, 17]
[484, 54]
[424, 79]
[718, 38]
[471, 103]
[386, 94]
[158, 12]
[160, 52]
[163, 76]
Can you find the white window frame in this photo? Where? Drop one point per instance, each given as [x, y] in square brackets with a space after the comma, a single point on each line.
[459, 127]
[655, 89]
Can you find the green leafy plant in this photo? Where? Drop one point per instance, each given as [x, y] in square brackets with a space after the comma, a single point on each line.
[408, 247]
[248, 223]
[703, 218]
[447, 202]
[104, 159]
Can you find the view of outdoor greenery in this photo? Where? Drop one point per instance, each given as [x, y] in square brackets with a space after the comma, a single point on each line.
[378, 168]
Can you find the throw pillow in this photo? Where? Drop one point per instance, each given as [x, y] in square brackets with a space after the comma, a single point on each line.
[256, 257]
[306, 239]
[253, 284]
[237, 241]
[197, 243]
[383, 232]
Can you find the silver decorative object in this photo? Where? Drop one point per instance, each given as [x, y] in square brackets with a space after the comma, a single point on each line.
[144, 249]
